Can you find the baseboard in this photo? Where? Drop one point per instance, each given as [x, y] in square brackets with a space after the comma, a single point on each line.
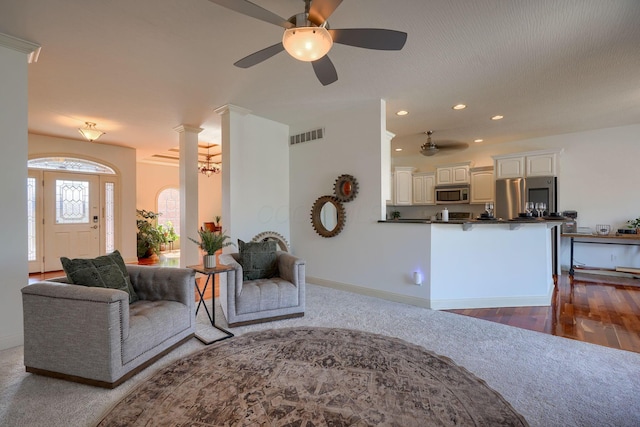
[389, 296]
[529, 301]
[466, 303]
[9, 341]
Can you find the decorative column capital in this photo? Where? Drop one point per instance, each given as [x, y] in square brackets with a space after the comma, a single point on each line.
[230, 108]
[188, 128]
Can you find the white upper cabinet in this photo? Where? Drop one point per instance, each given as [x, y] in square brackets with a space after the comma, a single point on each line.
[542, 164]
[403, 186]
[521, 165]
[453, 174]
[482, 185]
[511, 167]
[423, 188]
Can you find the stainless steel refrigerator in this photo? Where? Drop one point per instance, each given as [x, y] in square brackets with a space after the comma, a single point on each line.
[512, 193]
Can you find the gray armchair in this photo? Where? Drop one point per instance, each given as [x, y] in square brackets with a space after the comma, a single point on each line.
[93, 335]
[263, 300]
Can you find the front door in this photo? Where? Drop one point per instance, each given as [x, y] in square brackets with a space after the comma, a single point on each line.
[72, 217]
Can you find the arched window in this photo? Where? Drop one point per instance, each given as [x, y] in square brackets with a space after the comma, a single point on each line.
[169, 208]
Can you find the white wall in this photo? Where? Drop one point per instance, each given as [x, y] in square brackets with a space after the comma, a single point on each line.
[152, 178]
[366, 254]
[255, 175]
[13, 215]
[121, 159]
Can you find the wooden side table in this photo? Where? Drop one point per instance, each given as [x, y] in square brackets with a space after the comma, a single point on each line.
[210, 273]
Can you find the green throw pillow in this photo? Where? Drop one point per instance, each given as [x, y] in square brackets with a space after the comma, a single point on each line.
[258, 260]
[108, 271]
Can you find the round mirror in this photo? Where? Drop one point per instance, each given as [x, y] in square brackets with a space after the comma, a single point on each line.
[328, 216]
[345, 188]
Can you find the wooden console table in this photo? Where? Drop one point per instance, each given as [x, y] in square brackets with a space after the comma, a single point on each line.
[621, 239]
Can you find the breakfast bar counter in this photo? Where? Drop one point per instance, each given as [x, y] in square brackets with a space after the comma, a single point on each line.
[488, 263]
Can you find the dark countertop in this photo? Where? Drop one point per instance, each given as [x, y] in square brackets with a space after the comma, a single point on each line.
[477, 221]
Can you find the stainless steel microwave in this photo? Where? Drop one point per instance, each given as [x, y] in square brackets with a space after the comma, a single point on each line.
[452, 194]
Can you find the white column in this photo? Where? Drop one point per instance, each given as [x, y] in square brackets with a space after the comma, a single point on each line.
[189, 226]
[14, 54]
[231, 134]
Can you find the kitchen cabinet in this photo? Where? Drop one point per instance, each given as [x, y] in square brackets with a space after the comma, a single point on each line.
[423, 188]
[403, 186]
[453, 174]
[521, 165]
[482, 184]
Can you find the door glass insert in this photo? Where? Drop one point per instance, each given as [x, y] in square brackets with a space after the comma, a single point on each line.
[31, 219]
[69, 164]
[72, 202]
[109, 217]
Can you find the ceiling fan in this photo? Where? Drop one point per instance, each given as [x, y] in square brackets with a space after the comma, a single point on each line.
[430, 148]
[307, 36]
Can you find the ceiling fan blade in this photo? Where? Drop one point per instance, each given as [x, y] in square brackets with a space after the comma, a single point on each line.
[259, 56]
[370, 38]
[452, 146]
[321, 10]
[325, 71]
[247, 8]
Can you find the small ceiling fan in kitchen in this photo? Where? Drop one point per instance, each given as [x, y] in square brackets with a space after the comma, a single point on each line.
[307, 36]
[430, 148]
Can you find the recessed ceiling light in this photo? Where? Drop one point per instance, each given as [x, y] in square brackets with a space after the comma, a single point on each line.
[498, 117]
[459, 107]
[402, 113]
[478, 140]
[398, 149]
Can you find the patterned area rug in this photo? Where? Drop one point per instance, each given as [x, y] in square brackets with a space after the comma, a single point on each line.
[314, 377]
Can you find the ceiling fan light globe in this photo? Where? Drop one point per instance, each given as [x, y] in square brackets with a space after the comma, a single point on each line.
[307, 43]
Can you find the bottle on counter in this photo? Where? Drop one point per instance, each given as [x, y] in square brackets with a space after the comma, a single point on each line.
[445, 214]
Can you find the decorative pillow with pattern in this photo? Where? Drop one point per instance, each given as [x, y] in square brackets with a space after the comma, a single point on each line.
[108, 271]
[258, 259]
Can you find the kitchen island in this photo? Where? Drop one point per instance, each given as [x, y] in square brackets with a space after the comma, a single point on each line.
[481, 264]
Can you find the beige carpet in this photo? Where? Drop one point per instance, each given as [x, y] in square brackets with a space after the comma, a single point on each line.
[314, 377]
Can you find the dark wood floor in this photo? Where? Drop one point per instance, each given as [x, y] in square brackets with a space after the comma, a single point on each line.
[597, 309]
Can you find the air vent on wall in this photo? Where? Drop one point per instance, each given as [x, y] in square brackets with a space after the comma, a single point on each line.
[307, 136]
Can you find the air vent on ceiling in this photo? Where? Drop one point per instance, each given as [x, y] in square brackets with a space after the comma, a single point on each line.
[307, 136]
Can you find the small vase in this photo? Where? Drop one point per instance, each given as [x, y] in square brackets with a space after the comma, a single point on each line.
[209, 261]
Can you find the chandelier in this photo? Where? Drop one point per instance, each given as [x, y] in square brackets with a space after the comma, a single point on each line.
[208, 167]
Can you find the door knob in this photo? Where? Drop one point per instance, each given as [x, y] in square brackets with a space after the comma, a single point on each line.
[95, 227]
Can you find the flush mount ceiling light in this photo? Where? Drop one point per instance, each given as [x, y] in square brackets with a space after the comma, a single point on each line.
[478, 140]
[208, 167]
[498, 117]
[459, 107]
[90, 132]
[402, 113]
[307, 43]
[398, 149]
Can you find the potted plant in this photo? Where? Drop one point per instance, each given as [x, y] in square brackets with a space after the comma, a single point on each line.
[218, 227]
[634, 223]
[148, 236]
[395, 214]
[167, 233]
[210, 242]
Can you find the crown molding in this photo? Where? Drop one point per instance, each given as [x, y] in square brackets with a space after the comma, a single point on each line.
[31, 49]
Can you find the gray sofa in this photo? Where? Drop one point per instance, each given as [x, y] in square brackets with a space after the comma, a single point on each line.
[262, 300]
[93, 335]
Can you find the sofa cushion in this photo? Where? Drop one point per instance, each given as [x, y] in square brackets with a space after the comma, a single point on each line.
[108, 271]
[258, 259]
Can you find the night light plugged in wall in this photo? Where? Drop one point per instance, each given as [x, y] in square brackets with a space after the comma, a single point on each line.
[417, 278]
